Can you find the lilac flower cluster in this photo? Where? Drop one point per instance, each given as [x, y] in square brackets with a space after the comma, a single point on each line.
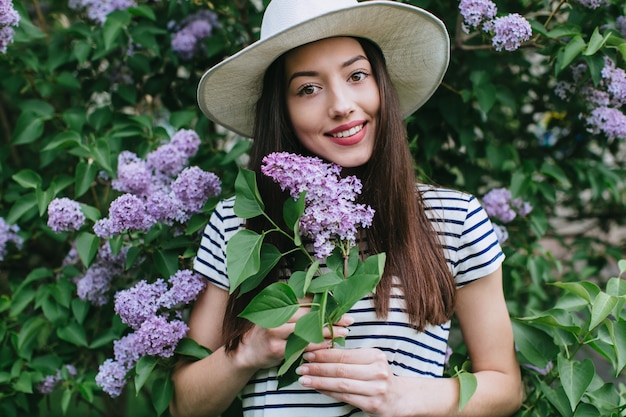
[187, 42]
[331, 215]
[604, 101]
[65, 215]
[508, 32]
[593, 4]
[9, 18]
[98, 10]
[477, 13]
[8, 233]
[499, 206]
[95, 284]
[159, 188]
[149, 309]
[51, 382]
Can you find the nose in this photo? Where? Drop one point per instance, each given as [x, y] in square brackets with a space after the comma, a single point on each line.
[340, 104]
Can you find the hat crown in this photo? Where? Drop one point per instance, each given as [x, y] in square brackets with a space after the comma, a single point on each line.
[281, 15]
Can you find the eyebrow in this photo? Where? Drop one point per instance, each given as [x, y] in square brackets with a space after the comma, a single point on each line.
[314, 73]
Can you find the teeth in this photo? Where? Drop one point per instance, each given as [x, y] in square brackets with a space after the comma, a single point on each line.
[349, 132]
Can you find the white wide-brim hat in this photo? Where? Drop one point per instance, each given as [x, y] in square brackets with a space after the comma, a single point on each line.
[415, 43]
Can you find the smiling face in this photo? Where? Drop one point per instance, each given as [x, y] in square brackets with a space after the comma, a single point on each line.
[333, 100]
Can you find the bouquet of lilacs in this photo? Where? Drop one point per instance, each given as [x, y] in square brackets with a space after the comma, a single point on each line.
[323, 221]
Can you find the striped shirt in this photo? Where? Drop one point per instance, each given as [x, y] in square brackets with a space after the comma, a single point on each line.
[472, 251]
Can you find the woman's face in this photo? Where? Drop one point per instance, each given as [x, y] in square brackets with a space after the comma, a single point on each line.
[333, 100]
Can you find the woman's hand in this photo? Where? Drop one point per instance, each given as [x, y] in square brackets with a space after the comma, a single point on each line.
[361, 377]
[263, 348]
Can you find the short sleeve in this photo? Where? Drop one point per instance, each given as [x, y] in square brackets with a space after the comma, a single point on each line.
[210, 260]
[467, 236]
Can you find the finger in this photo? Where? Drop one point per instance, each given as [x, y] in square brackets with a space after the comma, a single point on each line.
[345, 320]
[349, 356]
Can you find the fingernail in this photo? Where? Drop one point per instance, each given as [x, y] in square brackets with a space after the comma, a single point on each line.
[308, 356]
[303, 380]
[349, 320]
[301, 370]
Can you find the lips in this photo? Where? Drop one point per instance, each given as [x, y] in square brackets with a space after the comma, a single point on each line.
[348, 134]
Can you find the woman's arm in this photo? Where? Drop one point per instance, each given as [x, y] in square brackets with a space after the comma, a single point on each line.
[362, 377]
[208, 386]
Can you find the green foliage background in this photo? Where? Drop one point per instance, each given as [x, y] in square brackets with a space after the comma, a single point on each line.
[66, 113]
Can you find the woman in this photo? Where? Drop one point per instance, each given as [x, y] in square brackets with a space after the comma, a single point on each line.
[317, 84]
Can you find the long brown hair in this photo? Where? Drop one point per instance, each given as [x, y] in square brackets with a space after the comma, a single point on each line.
[400, 227]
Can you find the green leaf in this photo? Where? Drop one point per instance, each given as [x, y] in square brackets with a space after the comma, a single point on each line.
[166, 262]
[557, 398]
[66, 398]
[618, 338]
[113, 27]
[73, 333]
[351, 290]
[575, 378]
[309, 327]
[468, 384]
[292, 211]
[44, 198]
[297, 281]
[102, 154]
[80, 308]
[293, 356]
[270, 256]
[143, 369]
[596, 42]
[29, 332]
[191, 348]
[272, 307]
[243, 257]
[28, 128]
[584, 290]
[248, 203]
[555, 172]
[87, 245]
[486, 96]
[162, 393]
[21, 207]
[325, 282]
[85, 175]
[536, 346]
[571, 51]
[28, 178]
[601, 307]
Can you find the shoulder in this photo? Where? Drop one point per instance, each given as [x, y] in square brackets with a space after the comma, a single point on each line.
[447, 203]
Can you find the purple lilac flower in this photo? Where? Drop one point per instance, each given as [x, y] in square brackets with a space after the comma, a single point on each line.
[592, 4]
[165, 207]
[9, 18]
[159, 337]
[112, 377]
[194, 186]
[98, 10]
[541, 371]
[95, 284]
[8, 233]
[615, 80]
[330, 211]
[620, 25]
[126, 213]
[608, 120]
[167, 159]
[185, 287]
[65, 215]
[133, 174]
[498, 204]
[510, 31]
[140, 302]
[188, 40]
[476, 12]
[127, 350]
[186, 141]
[51, 382]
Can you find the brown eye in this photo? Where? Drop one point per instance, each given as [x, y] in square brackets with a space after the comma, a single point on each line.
[307, 90]
[358, 76]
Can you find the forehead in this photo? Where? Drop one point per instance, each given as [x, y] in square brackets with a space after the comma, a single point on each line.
[330, 48]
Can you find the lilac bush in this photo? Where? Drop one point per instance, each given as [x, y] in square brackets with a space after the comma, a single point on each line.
[9, 234]
[9, 19]
[65, 215]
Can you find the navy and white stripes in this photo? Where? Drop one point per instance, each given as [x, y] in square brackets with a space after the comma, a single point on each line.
[472, 251]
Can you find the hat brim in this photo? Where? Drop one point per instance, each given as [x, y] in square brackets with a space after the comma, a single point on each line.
[415, 44]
